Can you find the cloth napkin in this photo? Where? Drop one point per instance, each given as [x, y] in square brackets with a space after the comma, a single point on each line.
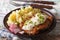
[6, 34]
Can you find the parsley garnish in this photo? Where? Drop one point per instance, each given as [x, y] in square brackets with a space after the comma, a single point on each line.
[30, 22]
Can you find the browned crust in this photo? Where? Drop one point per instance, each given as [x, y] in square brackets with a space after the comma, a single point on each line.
[36, 29]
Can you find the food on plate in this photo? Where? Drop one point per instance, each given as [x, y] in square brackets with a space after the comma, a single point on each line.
[28, 20]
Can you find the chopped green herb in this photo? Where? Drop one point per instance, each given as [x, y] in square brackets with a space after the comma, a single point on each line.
[35, 23]
[25, 24]
[22, 18]
[30, 22]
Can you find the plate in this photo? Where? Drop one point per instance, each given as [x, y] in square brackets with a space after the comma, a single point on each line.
[45, 31]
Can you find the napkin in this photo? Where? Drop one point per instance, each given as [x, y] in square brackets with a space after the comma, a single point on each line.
[6, 34]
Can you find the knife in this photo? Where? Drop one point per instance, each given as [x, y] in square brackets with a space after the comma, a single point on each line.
[24, 3]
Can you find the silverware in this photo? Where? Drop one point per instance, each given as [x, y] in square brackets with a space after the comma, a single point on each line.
[43, 2]
[40, 3]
